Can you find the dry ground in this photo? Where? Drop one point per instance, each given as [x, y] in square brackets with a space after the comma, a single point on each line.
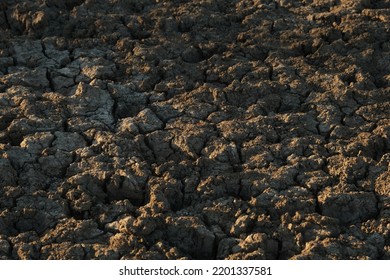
[205, 129]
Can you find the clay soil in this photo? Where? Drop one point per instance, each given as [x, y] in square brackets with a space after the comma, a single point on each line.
[207, 129]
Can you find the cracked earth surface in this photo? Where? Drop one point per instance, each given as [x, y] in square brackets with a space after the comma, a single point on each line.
[210, 129]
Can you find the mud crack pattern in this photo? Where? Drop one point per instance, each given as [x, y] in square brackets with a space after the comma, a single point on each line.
[210, 129]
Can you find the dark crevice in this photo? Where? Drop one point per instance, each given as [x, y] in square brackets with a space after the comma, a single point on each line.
[48, 77]
[74, 3]
[44, 50]
[114, 110]
[270, 72]
[317, 207]
[77, 215]
[6, 20]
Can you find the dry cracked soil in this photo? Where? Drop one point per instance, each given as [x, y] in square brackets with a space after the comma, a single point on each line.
[207, 129]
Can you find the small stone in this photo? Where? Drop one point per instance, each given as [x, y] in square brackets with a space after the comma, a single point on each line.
[148, 121]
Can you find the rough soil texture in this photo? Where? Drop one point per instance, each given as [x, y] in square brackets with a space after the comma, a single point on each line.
[210, 129]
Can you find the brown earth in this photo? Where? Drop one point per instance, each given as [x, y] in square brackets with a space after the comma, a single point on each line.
[210, 129]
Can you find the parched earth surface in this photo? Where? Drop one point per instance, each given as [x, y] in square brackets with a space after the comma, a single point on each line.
[208, 129]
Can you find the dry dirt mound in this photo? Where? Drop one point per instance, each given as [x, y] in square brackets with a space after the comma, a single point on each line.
[210, 129]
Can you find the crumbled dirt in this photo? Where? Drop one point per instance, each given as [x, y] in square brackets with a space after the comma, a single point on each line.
[210, 129]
